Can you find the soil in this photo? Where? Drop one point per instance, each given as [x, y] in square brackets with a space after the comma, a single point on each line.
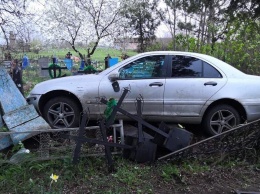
[240, 180]
[243, 178]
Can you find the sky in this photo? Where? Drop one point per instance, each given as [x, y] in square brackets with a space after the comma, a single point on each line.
[38, 7]
[162, 30]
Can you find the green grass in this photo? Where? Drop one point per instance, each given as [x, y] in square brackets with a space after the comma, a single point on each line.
[90, 175]
[99, 54]
[31, 74]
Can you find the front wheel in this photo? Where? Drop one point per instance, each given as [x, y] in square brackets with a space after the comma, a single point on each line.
[61, 112]
[220, 118]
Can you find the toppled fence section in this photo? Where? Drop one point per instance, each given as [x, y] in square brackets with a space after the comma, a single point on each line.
[239, 141]
[17, 115]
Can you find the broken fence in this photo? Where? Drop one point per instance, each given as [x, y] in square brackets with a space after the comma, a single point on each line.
[50, 144]
[241, 141]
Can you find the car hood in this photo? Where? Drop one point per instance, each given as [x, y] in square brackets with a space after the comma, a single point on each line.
[69, 83]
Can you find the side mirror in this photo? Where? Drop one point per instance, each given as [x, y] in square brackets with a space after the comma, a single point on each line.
[113, 77]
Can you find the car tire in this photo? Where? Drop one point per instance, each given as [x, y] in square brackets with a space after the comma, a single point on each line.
[61, 112]
[220, 118]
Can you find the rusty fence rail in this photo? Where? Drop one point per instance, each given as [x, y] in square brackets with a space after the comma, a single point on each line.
[239, 142]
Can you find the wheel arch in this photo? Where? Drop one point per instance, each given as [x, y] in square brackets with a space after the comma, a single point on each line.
[56, 93]
[231, 102]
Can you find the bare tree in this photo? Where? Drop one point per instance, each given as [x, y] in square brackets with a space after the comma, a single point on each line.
[17, 21]
[171, 17]
[104, 17]
[12, 13]
[87, 21]
[63, 21]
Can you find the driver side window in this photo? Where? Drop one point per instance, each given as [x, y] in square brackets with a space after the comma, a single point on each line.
[144, 68]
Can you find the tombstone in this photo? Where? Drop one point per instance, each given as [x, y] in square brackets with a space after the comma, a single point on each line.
[43, 63]
[24, 119]
[5, 140]
[17, 114]
[10, 97]
[68, 63]
[113, 61]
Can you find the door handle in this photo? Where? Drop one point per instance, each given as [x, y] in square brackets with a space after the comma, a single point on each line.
[155, 84]
[210, 83]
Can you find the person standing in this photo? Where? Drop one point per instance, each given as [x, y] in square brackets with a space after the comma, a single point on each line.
[25, 61]
[107, 61]
[68, 55]
[17, 75]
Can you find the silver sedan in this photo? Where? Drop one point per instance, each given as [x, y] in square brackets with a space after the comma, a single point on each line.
[181, 87]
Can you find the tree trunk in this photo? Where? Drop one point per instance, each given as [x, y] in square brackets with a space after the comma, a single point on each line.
[174, 26]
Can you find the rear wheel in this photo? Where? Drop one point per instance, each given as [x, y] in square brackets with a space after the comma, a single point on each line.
[61, 112]
[220, 118]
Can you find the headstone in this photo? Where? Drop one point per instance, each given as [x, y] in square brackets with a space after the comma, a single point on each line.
[5, 140]
[68, 63]
[24, 119]
[17, 114]
[113, 61]
[36, 124]
[10, 97]
[43, 63]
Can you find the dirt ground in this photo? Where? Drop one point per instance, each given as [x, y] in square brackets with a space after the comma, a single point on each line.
[243, 178]
[240, 180]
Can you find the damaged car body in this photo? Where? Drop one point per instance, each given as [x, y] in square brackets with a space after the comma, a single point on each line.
[180, 87]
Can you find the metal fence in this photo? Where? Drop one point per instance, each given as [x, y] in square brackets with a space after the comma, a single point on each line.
[49, 144]
[240, 142]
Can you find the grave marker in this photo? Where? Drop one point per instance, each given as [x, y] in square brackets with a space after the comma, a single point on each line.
[10, 97]
[17, 114]
[44, 63]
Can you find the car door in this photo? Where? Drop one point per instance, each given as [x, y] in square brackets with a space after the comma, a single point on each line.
[145, 78]
[190, 85]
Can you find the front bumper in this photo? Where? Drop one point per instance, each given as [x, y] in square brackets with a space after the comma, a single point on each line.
[34, 100]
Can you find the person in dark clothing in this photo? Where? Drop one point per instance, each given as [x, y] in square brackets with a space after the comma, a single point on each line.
[107, 61]
[68, 55]
[17, 75]
[124, 56]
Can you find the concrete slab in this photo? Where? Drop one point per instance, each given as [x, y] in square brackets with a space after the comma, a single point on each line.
[10, 96]
[19, 116]
[35, 124]
[5, 141]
